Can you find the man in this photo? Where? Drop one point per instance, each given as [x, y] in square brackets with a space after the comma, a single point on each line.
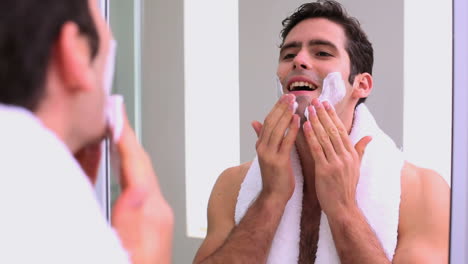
[320, 38]
[53, 59]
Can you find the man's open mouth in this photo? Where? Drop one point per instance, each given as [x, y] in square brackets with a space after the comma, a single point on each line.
[302, 86]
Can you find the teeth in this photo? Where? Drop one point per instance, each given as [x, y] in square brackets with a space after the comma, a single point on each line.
[299, 84]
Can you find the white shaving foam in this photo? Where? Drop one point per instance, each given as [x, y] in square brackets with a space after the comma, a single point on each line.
[279, 87]
[333, 90]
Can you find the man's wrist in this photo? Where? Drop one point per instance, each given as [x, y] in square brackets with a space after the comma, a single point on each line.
[272, 202]
[345, 215]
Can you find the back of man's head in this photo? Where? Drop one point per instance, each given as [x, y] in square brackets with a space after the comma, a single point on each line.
[359, 48]
[28, 30]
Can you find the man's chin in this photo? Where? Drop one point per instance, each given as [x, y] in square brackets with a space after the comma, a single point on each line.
[98, 138]
[303, 102]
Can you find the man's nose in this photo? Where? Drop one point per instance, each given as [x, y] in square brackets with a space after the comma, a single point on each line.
[301, 60]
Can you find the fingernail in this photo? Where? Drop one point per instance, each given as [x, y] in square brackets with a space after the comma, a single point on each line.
[291, 106]
[327, 105]
[312, 110]
[295, 106]
[306, 113]
[317, 104]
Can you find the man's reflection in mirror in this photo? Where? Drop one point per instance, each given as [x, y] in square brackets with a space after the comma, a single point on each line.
[327, 185]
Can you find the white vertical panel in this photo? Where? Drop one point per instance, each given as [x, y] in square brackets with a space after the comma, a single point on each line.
[137, 5]
[211, 50]
[428, 84]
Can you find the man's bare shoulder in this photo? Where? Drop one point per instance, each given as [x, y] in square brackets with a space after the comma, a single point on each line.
[422, 189]
[413, 172]
[223, 197]
[424, 212]
[421, 185]
[231, 179]
[221, 209]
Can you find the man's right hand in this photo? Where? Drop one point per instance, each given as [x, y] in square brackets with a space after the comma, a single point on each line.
[141, 216]
[274, 147]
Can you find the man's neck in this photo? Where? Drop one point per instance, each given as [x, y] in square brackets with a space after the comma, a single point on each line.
[55, 121]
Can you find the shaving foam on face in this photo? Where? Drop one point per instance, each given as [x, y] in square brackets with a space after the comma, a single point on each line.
[333, 90]
[279, 87]
[114, 114]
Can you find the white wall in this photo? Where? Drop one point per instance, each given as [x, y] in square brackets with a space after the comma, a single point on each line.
[428, 84]
[212, 143]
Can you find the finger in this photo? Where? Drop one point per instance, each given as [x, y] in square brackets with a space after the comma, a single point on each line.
[312, 141]
[128, 144]
[290, 138]
[339, 125]
[272, 119]
[361, 146]
[329, 126]
[279, 131]
[135, 165]
[322, 137]
[257, 126]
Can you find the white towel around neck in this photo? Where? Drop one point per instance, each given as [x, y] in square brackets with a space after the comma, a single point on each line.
[378, 196]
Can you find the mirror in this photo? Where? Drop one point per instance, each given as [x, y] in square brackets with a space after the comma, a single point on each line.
[195, 79]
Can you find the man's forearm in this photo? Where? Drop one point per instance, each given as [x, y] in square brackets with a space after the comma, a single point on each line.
[250, 241]
[355, 240]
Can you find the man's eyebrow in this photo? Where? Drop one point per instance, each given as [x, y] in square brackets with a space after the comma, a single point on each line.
[321, 42]
[294, 44]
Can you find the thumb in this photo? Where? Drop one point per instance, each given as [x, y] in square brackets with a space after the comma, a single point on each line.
[361, 146]
[257, 126]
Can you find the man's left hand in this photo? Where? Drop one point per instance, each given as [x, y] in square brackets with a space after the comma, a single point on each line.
[337, 161]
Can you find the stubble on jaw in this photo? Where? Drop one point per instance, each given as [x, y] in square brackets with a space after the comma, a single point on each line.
[303, 102]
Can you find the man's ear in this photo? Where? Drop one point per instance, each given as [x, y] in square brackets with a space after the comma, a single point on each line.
[362, 86]
[72, 58]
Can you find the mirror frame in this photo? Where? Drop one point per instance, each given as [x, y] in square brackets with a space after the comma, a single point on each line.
[459, 195]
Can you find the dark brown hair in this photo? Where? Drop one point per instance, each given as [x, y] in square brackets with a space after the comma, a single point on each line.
[28, 31]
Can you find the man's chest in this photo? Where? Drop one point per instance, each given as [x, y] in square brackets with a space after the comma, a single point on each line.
[310, 223]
